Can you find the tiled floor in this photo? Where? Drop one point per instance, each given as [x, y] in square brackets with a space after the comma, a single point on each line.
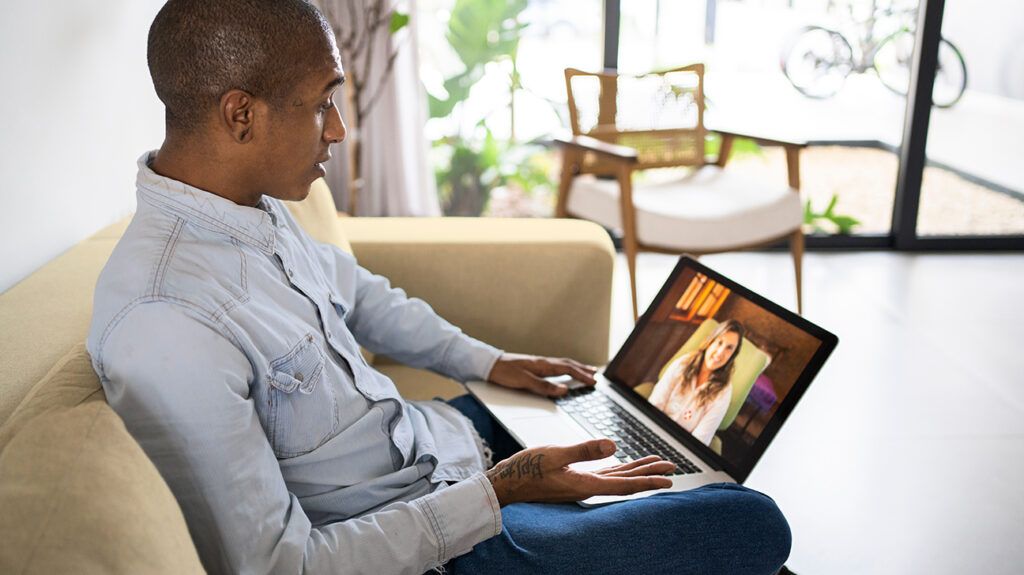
[906, 455]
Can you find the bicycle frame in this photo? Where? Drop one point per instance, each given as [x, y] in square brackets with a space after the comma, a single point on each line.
[872, 31]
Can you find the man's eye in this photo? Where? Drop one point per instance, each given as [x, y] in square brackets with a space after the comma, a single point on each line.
[327, 105]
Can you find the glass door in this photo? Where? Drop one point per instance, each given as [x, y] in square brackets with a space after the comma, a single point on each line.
[833, 74]
[897, 170]
[973, 180]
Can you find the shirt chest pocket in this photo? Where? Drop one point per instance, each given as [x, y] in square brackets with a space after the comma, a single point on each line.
[304, 411]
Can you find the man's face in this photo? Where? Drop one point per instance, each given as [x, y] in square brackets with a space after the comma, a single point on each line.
[300, 133]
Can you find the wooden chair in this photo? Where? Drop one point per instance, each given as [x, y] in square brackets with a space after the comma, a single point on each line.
[622, 124]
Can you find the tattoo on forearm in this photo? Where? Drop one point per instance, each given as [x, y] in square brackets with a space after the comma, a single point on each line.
[523, 467]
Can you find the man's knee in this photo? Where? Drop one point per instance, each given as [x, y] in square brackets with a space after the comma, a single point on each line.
[764, 531]
[777, 536]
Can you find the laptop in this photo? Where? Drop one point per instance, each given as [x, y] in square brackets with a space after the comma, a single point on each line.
[705, 380]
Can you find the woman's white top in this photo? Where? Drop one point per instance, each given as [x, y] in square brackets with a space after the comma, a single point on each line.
[678, 399]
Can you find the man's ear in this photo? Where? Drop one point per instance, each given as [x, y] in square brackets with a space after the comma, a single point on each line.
[238, 114]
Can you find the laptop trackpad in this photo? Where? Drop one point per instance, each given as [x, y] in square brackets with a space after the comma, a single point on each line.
[556, 430]
[547, 430]
[507, 403]
[534, 420]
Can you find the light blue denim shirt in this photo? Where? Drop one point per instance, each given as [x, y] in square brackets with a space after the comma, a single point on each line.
[226, 339]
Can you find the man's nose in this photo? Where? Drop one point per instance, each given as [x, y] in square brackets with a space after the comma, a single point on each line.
[334, 130]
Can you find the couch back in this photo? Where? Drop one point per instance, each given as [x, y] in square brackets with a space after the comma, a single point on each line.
[45, 315]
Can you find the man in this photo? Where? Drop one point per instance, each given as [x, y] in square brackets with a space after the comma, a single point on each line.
[227, 341]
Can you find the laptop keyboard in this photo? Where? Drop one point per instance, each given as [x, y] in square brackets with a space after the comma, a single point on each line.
[600, 415]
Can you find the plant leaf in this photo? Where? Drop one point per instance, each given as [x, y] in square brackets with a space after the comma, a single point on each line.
[831, 206]
[399, 20]
[458, 88]
[845, 223]
[478, 33]
[741, 146]
[489, 153]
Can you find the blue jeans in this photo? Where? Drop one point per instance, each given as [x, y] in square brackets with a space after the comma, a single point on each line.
[720, 528]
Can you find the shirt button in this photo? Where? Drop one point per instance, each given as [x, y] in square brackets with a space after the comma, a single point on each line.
[291, 272]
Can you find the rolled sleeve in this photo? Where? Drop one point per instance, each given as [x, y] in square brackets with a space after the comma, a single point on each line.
[462, 515]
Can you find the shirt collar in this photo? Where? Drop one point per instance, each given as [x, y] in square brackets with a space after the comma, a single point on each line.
[254, 226]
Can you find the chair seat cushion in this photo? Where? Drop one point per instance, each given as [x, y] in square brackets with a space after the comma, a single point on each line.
[708, 209]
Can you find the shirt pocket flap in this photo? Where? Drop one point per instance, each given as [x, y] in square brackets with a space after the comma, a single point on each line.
[300, 369]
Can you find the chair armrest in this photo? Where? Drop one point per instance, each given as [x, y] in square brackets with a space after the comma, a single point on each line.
[613, 152]
[773, 140]
[525, 285]
[792, 146]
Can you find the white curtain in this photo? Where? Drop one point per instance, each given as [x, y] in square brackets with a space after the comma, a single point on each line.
[397, 176]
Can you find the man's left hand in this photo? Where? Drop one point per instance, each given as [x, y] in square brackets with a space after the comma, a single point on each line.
[527, 372]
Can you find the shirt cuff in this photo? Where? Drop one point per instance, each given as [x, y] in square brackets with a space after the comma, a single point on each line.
[462, 515]
[469, 359]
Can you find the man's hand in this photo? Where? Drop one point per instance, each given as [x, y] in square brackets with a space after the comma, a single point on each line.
[518, 371]
[542, 474]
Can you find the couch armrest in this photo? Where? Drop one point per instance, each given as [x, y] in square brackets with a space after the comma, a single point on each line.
[538, 286]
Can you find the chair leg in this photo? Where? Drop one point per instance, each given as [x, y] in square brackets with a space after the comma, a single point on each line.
[569, 169]
[724, 150]
[796, 246]
[629, 245]
[629, 240]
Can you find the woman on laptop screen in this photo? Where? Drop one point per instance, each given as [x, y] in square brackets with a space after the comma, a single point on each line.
[695, 389]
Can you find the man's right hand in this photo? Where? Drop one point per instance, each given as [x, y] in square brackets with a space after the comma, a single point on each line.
[542, 474]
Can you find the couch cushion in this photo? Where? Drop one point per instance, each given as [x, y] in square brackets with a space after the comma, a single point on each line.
[70, 382]
[77, 492]
[420, 384]
[318, 216]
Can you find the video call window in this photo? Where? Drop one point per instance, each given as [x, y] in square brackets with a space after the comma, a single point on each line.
[716, 363]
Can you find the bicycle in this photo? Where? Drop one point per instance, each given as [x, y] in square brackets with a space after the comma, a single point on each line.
[817, 60]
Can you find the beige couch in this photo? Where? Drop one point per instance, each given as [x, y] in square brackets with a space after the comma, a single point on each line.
[78, 495]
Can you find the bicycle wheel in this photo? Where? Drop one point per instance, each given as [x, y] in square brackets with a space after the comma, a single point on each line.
[816, 61]
[950, 76]
[895, 55]
[893, 59]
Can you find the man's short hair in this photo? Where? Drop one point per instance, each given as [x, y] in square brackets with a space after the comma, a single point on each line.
[200, 49]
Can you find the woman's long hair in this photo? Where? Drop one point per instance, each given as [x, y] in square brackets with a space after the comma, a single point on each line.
[719, 378]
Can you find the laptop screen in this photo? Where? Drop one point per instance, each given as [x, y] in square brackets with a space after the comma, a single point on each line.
[722, 363]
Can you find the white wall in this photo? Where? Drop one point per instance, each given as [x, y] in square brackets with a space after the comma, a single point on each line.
[76, 110]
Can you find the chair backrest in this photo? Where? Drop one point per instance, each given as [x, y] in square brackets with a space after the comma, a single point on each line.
[749, 364]
[659, 114]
